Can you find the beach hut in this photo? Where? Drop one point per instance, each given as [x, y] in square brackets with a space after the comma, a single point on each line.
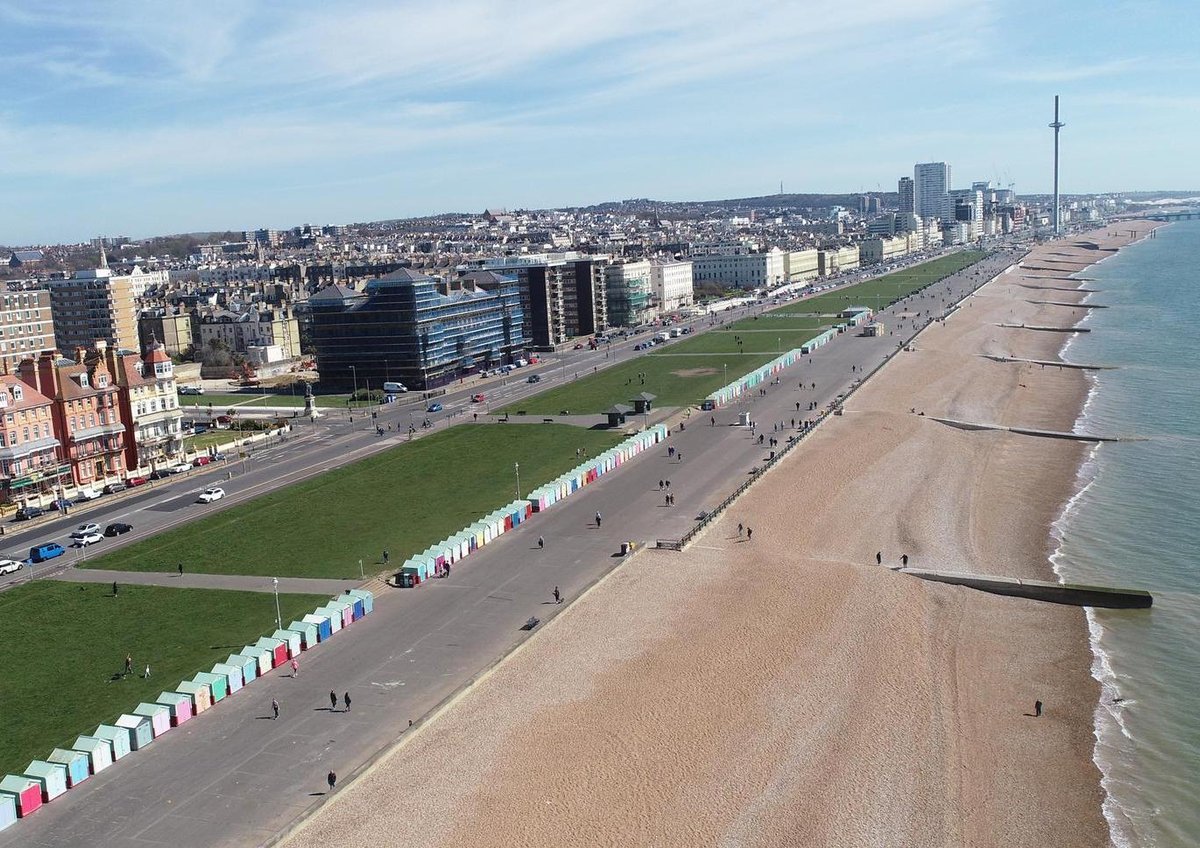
[346, 609]
[160, 717]
[199, 692]
[307, 631]
[232, 673]
[178, 704]
[339, 614]
[291, 641]
[248, 665]
[265, 657]
[324, 629]
[217, 684]
[98, 751]
[278, 649]
[52, 777]
[356, 605]
[334, 617]
[77, 763]
[367, 598]
[25, 791]
[8, 810]
[117, 739]
[140, 731]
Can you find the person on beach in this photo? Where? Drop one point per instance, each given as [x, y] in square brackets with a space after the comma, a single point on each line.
[749, 533]
[332, 700]
[1037, 709]
[879, 557]
[741, 529]
[904, 560]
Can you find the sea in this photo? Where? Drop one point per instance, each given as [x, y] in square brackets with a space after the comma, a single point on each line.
[1135, 522]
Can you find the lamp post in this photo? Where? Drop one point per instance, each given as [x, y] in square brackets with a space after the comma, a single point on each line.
[517, 471]
[725, 365]
[278, 617]
[355, 371]
[360, 570]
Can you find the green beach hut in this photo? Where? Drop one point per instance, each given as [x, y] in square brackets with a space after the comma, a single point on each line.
[52, 776]
[77, 763]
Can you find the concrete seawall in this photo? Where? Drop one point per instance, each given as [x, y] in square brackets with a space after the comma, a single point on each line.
[1072, 305]
[1055, 288]
[1027, 431]
[1048, 362]
[1045, 329]
[1040, 590]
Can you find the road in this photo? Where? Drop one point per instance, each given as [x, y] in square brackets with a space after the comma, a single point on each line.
[234, 776]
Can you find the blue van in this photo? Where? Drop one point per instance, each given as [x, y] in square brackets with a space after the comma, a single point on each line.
[45, 551]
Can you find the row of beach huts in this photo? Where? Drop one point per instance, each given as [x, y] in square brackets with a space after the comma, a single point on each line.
[44, 780]
[437, 559]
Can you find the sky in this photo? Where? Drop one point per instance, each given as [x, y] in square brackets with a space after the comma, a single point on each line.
[149, 118]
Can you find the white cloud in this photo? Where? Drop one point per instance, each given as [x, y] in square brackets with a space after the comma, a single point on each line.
[1069, 73]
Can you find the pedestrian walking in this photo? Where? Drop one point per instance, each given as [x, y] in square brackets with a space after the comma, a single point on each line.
[128, 664]
[879, 557]
[668, 485]
[679, 456]
[741, 529]
[598, 518]
[295, 668]
[332, 779]
[114, 588]
[666, 500]
[557, 596]
[749, 533]
[904, 560]
[387, 557]
[275, 708]
[147, 675]
[1037, 709]
[180, 567]
[332, 700]
[346, 701]
[660, 485]
[541, 543]
[712, 422]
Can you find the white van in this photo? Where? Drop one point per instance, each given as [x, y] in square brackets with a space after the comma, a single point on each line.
[521, 363]
[394, 388]
[674, 332]
[661, 338]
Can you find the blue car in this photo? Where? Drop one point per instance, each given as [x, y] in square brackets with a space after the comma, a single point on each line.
[45, 551]
[434, 407]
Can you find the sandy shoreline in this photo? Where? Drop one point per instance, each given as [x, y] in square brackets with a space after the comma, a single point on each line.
[788, 691]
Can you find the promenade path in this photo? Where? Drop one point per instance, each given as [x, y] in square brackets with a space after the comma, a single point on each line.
[240, 582]
[235, 777]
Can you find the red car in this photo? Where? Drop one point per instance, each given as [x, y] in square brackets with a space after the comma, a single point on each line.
[136, 481]
[201, 460]
[479, 398]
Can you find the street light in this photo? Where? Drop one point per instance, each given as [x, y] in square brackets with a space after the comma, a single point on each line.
[725, 365]
[278, 617]
[517, 470]
[355, 370]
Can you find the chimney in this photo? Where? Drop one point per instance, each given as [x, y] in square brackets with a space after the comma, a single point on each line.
[48, 373]
[80, 353]
[27, 370]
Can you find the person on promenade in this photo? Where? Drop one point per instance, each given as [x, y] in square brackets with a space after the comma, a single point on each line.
[1037, 709]
[557, 596]
[541, 543]
[712, 422]
[331, 778]
[660, 485]
[180, 567]
[114, 588]
[879, 557]
[666, 500]
[332, 700]
[668, 485]
[275, 708]
[346, 701]
[598, 519]
[295, 668]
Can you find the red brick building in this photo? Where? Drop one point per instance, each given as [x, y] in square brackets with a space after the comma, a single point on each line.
[29, 448]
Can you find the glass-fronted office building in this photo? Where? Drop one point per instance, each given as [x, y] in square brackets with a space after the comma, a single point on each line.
[410, 328]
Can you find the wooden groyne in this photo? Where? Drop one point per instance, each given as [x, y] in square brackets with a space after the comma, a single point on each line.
[1072, 594]
[1028, 431]
[1072, 305]
[1045, 329]
[1056, 288]
[995, 357]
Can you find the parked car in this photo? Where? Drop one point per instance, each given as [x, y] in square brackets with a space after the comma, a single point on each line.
[85, 530]
[8, 566]
[45, 551]
[137, 481]
[88, 494]
[89, 539]
[212, 493]
[113, 488]
[218, 457]
[61, 504]
[534, 378]
[479, 397]
[191, 390]
[27, 512]
[180, 467]
[161, 473]
[117, 528]
[434, 407]
[201, 460]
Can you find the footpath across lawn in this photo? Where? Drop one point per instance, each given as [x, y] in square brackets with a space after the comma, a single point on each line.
[61, 670]
[402, 500]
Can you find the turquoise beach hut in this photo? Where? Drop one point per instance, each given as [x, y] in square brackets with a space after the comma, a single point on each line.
[117, 739]
[77, 763]
[248, 664]
[98, 751]
[232, 675]
[307, 631]
[218, 684]
[138, 727]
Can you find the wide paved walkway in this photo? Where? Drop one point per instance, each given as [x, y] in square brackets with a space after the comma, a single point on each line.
[245, 583]
[235, 777]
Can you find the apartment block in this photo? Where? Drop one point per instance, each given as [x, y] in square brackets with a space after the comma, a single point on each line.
[26, 326]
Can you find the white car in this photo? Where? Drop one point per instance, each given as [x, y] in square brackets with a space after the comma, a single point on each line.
[88, 494]
[212, 493]
[191, 390]
[180, 468]
[10, 566]
[88, 539]
[85, 530]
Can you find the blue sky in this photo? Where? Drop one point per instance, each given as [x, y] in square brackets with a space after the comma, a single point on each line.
[143, 118]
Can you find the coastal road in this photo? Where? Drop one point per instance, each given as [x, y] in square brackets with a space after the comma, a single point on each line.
[234, 776]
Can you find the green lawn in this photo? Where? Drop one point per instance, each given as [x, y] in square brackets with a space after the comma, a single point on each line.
[65, 642]
[403, 499]
[221, 402]
[212, 438]
[688, 369]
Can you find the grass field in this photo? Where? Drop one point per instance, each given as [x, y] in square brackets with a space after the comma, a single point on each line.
[211, 438]
[687, 370]
[65, 647]
[222, 402]
[404, 500]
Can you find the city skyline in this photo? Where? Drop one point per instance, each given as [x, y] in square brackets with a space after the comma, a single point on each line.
[225, 117]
